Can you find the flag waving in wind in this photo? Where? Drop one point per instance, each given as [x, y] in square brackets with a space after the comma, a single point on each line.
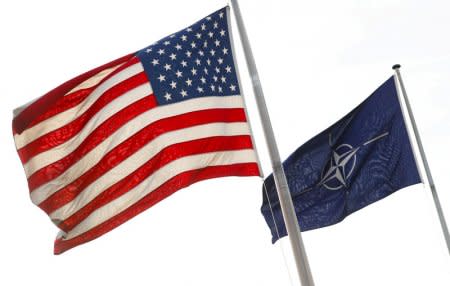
[361, 159]
[112, 142]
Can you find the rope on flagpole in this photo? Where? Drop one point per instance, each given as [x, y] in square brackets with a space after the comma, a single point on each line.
[271, 210]
[283, 253]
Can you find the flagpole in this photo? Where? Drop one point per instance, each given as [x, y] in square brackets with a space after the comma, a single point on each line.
[437, 203]
[287, 207]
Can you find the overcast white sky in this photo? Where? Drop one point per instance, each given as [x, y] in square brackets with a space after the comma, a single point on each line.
[317, 60]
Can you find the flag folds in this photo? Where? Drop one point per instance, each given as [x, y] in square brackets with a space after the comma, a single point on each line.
[112, 142]
[360, 159]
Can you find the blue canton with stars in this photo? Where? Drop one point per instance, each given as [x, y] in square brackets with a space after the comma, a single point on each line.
[192, 63]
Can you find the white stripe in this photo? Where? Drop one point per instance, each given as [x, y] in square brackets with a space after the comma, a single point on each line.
[69, 115]
[133, 126]
[95, 79]
[90, 82]
[139, 158]
[62, 150]
[170, 170]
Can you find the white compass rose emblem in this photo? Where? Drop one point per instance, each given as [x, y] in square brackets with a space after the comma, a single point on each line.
[342, 164]
[339, 167]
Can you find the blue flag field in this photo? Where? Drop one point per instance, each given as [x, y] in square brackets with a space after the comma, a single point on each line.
[362, 158]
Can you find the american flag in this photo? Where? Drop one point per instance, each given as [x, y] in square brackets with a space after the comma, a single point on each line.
[112, 142]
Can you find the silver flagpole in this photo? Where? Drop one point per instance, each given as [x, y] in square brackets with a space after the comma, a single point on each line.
[437, 203]
[284, 195]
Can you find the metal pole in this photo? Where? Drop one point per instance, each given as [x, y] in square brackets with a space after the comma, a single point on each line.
[287, 207]
[437, 203]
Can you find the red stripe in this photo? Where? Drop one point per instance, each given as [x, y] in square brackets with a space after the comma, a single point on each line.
[23, 120]
[135, 142]
[169, 154]
[64, 133]
[62, 104]
[178, 182]
[73, 99]
[102, 132]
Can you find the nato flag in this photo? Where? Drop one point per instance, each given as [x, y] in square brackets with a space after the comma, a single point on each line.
[359, 160]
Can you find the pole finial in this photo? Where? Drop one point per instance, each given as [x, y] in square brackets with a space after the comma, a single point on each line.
[396, 67]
